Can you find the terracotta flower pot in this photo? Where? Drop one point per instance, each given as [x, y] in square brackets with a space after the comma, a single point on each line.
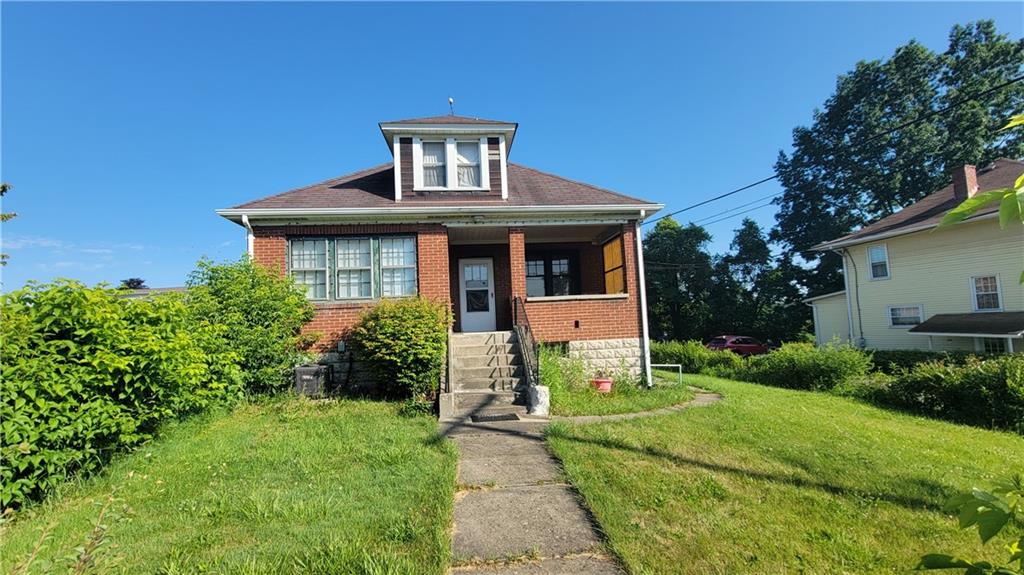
[602, 384]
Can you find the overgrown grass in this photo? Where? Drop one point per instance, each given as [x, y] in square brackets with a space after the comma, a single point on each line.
[284, 486]
[571, 393]
[779, 481]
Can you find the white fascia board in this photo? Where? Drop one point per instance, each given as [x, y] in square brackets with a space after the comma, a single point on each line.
[829, 246]
[624, 209]
[992, 335]
[824, 296]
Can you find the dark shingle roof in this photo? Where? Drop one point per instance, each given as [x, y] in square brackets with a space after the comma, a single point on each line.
[1005, 323]
[374, 188]
[930, 209]
[447, 120]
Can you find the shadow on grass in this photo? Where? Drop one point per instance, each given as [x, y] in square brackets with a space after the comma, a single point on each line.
[906, 501]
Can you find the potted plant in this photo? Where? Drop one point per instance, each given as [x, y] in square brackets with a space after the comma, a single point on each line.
[601, 382]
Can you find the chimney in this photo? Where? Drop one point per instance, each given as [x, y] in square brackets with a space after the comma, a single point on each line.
[965, 182]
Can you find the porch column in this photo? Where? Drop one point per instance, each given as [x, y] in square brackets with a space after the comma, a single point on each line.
[517, 261]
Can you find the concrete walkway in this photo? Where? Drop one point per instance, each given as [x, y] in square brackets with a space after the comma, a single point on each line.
[515, 513]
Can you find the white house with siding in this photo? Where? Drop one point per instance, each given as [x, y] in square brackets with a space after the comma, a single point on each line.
[909, 285]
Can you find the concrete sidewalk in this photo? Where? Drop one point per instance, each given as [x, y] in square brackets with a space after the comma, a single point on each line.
[514, 512]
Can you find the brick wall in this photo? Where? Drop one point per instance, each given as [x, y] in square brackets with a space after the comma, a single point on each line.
[334, 320]
[517, 261]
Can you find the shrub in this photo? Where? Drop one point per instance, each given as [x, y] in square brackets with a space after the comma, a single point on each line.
[694, 357]
[86, 373]
[263, 314]
[804, 366]
[893, 361]
[987, 392]
[404, 342]
[558, 371]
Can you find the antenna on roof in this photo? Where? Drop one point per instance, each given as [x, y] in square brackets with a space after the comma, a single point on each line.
[451, 106]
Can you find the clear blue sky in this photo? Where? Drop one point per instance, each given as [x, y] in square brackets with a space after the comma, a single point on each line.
[126, 125]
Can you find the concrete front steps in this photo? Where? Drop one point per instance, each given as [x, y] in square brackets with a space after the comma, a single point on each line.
[486, 377]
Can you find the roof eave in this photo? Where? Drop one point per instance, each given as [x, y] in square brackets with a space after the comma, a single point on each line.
[508, 129]
[840, 243]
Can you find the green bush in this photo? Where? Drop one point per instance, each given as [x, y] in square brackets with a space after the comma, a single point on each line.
[893, 361]
[404, 342]
[694, 357]
[988, 393]
[263, 314]
[804, 366]
[86, 373]
[558, 371]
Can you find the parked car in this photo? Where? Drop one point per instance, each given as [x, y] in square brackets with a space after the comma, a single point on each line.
[741, 344]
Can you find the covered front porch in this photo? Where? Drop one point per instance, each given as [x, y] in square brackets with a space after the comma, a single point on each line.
[577, 282]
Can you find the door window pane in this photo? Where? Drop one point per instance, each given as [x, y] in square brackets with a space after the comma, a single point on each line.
[477, 300]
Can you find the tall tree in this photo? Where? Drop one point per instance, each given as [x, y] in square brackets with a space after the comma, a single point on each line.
[678, 280]
[839, 175]
[133, 283]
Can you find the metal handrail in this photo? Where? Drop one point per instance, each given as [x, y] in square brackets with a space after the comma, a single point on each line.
[528, 345]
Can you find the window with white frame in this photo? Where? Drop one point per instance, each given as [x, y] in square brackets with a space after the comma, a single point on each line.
[398, 266]
[878, 262]
[467, 155]
[986, 293]
[354, 262]
[362, 268]
[434, 168]
[993, 345]
[904, 316]
[308, 261]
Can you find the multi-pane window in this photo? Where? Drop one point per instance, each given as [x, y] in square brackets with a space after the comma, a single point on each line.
[986, 293]
[435, 170]
[362, 268]
[614, 267]
[561, 282]
[398, 266]
[993, 345]
[550, 275]
[904, 316]
[878, 260]
[468, 164]
[309, 266]
[535, 278]
[355, 268]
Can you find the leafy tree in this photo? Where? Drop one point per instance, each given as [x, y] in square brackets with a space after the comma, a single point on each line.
[679, 273]
[5, 216]
[841, 174]
[133, 283]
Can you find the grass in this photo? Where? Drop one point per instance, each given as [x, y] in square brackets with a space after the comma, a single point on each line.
[287, 486]
[780, 481]
[571, 393]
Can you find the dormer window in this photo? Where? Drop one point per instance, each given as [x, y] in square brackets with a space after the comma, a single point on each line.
[434, 168]
[452, 164]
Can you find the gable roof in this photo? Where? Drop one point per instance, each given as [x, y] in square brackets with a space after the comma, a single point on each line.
[375, 188]
[927, 212]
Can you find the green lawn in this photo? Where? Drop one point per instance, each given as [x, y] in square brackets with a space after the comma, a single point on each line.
[625, 398]
[288, 486]
[778, 481]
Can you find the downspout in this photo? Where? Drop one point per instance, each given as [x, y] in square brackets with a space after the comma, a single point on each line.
[250, 239]
[645, 344]
[861, 342]
[846, 287]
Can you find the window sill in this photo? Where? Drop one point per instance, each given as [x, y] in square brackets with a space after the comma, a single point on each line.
[581, 297]
[451, 189]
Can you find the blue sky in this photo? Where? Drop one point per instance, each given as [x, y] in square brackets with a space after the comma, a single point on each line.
[124, 126]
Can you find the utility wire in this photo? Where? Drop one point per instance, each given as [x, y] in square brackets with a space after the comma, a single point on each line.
[738, 207]
[737, 214]
[867, 140]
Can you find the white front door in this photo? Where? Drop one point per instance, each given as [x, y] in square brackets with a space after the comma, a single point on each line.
[476, 294]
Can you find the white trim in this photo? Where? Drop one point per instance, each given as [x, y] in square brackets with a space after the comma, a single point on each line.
[974, 293]
[451, 165]
[823, 296]
[828, 246]
[888, 263]
[398, 168]
[630, 209]
[504, 168]
[578, 297]
[645, 339]
[491, 319]
[849, 304]
[417, 163]
[817, 326]
[995, 335]
[250, 237]
[485, 164]
[888, 315]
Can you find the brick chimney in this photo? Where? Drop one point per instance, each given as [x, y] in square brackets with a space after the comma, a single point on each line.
[965, 182]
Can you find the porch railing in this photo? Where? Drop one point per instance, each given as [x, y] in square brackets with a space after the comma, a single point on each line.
[527, 343]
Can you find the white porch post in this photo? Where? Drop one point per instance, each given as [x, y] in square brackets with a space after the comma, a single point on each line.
[645, 341]
[1009, 345]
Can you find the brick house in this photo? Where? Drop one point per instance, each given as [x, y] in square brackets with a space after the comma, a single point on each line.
[450, 218]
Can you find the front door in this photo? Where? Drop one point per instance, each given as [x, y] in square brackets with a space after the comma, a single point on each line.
[476, 294]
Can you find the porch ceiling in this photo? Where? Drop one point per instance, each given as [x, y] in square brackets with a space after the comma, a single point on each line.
[533, 234]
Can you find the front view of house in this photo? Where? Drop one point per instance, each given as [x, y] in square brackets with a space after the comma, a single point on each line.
[450, 218]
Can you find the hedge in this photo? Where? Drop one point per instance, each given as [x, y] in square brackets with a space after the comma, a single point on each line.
[893, 361]
[694, 356]
[804, 366]
[86, 373]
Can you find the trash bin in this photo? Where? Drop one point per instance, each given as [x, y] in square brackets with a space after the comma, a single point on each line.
[311, 379]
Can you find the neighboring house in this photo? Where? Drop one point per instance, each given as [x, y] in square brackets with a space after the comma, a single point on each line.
[909, 285]
[451, 219]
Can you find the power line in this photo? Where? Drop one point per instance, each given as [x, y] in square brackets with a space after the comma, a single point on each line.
[737, 214]
[722, 213]
[867, 140]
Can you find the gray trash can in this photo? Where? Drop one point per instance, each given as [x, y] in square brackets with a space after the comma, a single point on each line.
[311, 380]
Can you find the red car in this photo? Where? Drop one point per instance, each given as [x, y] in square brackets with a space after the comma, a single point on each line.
[741, 344]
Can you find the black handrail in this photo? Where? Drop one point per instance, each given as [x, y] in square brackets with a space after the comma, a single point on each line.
[528, 345]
